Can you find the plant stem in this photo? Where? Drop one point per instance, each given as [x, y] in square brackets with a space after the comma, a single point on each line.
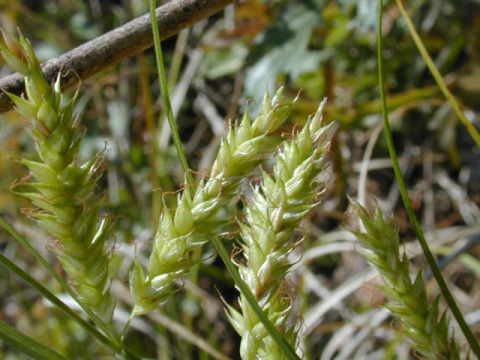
[166, 98]
[26, 344]
[408, 205]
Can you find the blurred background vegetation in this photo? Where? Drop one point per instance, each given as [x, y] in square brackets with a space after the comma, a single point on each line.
[317, 49]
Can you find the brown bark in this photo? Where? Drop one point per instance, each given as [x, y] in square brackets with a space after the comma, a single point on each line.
[116, 45]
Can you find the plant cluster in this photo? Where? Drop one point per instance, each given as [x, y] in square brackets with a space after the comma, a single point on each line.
[69, 209]
[263, 185]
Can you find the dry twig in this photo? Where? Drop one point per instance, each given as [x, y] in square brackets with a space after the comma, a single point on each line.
[109, 49]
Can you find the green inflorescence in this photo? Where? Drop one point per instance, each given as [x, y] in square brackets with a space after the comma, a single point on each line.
[60, 185]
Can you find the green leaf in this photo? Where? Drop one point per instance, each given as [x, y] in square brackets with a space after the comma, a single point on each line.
[60, 280]
[55, 301]
[26, 344]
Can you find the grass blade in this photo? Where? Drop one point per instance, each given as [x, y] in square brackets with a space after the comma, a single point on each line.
[274, 333]
[26, 344]
[65, 286]
[4, 261]
[52, 271]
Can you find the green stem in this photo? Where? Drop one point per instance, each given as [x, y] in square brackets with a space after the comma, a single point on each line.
[5, 262]
[67, 288]
[26, 344]
[274, 333]
[436, 74]
[289, 352]
[408, 205]
[166, 98]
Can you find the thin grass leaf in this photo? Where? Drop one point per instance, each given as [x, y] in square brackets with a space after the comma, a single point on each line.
[5, 262]
[106, 329]
[26, 344]
[436, 74]
[167, 106]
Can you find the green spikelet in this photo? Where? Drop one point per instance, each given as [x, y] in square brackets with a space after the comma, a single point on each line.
[61, 186]
[428, 333]
[273, 214]
[195, 220]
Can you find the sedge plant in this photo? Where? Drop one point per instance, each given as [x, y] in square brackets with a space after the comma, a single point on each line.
[62, 188]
